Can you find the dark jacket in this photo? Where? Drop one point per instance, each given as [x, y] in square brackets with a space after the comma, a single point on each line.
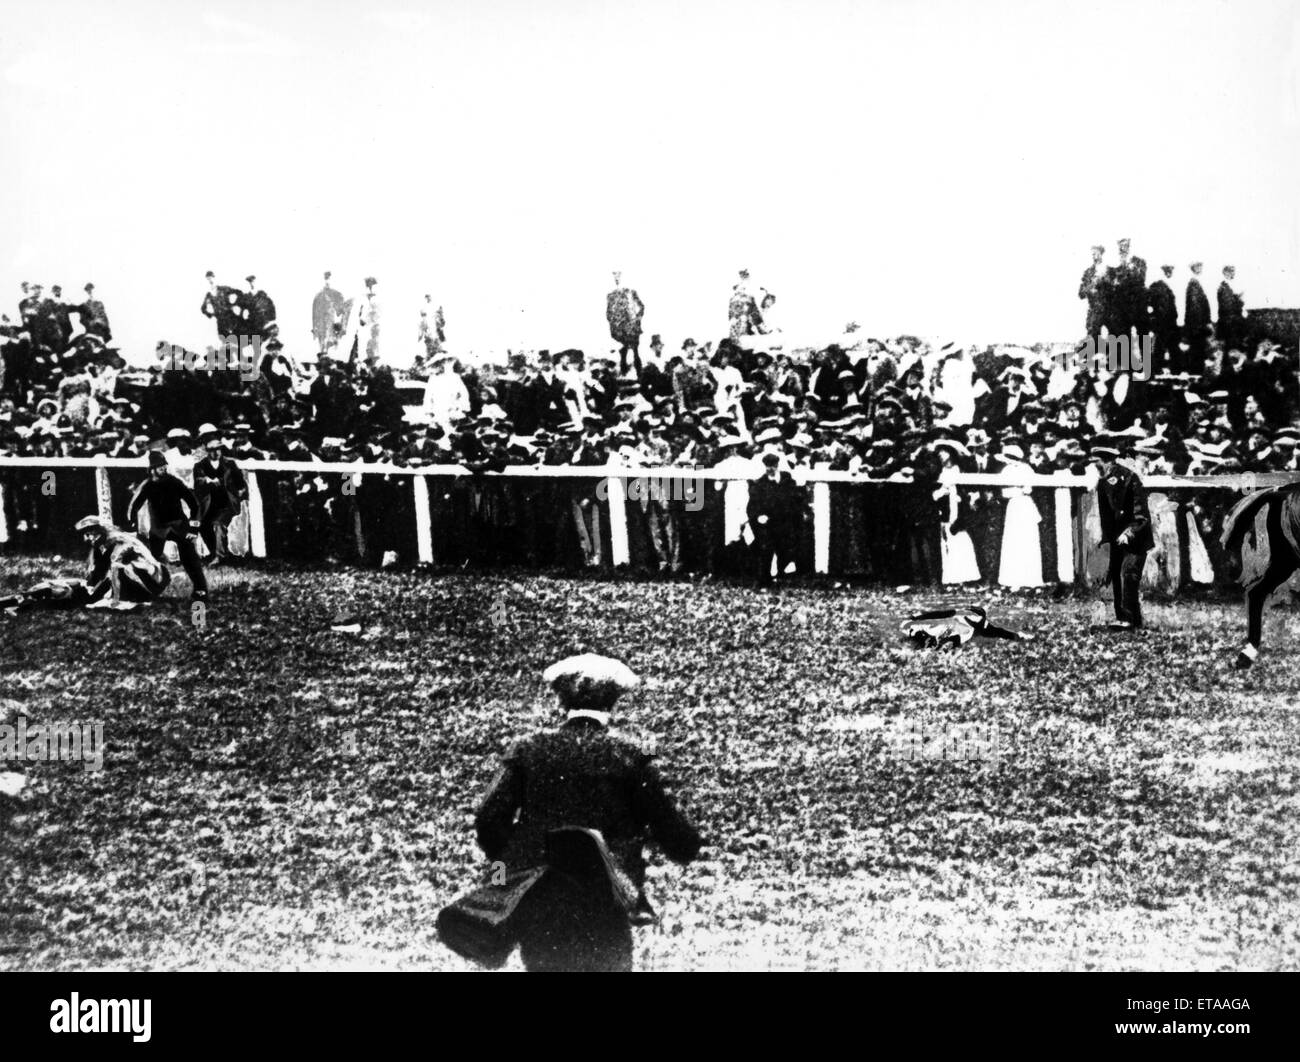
[1122, 505]
[581, 775]
[165, 497]
[1196, 312]
[219, 484]
[1163, 309]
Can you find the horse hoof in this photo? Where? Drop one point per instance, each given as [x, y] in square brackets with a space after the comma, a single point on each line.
[1242, 662]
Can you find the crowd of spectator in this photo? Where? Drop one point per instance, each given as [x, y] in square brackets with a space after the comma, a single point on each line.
[898, 407]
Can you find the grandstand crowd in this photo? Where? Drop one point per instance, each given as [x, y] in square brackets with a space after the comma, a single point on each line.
[897, 407]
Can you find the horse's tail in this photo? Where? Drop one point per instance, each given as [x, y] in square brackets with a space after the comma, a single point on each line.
[1242, 517]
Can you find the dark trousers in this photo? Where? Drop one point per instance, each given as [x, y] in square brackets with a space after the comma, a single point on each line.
[632, 345]
[212, 529]
[768, 543]
[177, 532]
[1126, 580]
[566, 924]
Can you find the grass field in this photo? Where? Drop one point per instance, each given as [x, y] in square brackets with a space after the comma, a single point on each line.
[277, 795]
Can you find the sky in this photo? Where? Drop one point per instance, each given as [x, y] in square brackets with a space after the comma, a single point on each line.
[938, 168]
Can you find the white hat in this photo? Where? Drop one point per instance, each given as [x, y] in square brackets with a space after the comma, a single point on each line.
[590, 681]
[178, 433]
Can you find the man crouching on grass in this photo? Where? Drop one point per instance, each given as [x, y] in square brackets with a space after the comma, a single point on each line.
[121, 572]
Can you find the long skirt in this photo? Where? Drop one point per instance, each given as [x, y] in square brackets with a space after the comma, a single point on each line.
[1021, 560]
[958, 555]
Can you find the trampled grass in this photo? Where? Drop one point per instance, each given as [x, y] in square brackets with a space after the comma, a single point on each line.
[278, 795]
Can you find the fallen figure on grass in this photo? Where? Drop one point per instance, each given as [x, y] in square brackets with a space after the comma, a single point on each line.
[121, 573]
[951, 628]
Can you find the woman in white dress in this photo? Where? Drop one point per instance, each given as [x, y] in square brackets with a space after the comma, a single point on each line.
[1021, 560]
[956, 551]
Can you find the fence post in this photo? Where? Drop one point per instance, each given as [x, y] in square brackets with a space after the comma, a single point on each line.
[618, 547]
[256, 518]
[423, 523]
[103, 494]
[821, 508]
[1064, 537]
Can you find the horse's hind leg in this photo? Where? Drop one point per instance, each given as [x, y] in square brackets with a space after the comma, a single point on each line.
[1278, 571]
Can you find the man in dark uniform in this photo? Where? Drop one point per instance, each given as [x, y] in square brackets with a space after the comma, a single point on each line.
[1128, 301]
[1096, 288]
[773, 513]
[166, 495]
[1125, 526]
[260, 311]
[1162, 321]
[565, 822]
[223, 305]
[1196, 318]
[1231, 324]
[624, 310]
[94, 318]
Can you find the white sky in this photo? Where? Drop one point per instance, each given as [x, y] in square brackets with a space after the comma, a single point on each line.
[934, 167]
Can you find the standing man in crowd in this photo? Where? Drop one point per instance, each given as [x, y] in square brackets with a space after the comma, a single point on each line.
[1232, 321]
[220, 489]
[94, 318]
[259, 311]
[1196, 317]
[223, 305]
[326, 310]
[168, 498]
[742, 310]
[1162, 322]
[1129, 300]
[773, 514]
[1095, 287]
[1125, 526]
[624, 310]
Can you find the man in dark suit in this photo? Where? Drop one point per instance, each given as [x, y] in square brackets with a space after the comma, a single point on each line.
[1129, 290]
[773, 513]
[259, 310]
[1162, 321]
[220, 488]
[545, 397]
[654, 382]
[167, 498]
[1196, 317]
[94, 318]
[1125, 526]
[1095, 287]
[624, 310]
[1231, 325]
[565, 822]
[224, 305]
[332, 405]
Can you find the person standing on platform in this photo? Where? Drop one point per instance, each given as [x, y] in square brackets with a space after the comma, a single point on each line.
[1162, 322]
[1196, 318]
[623, 311]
